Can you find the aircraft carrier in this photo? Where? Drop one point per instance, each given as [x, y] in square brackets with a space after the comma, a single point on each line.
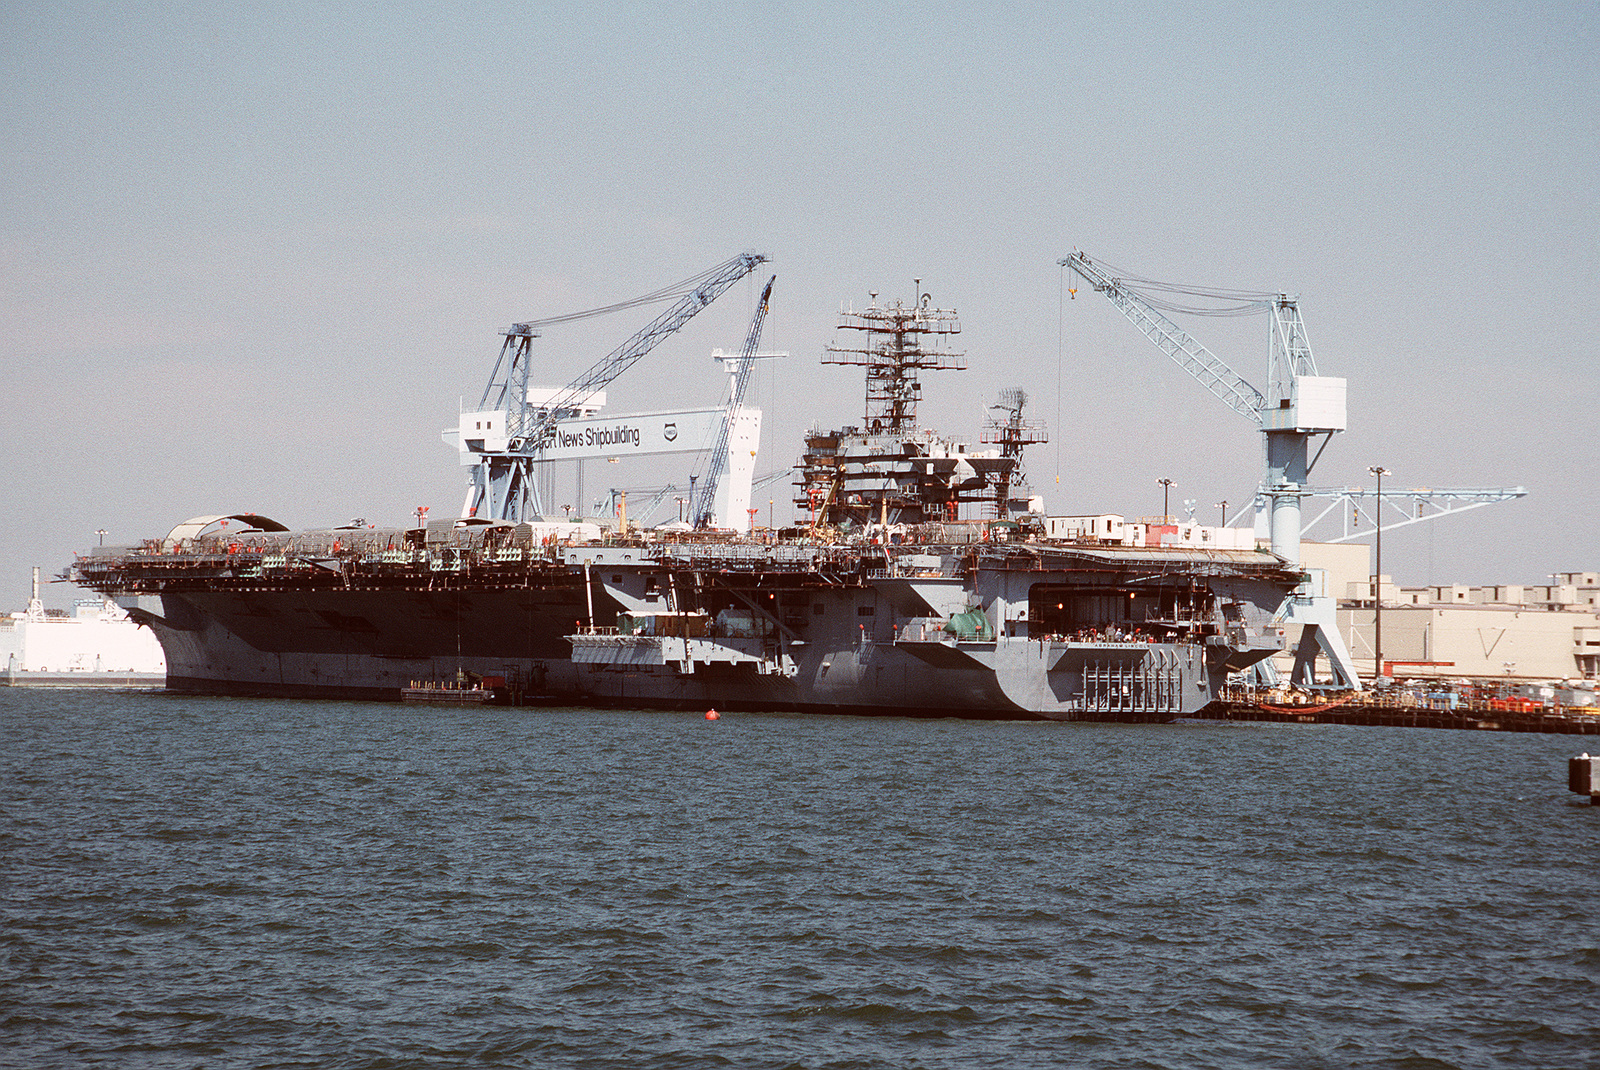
[989, 628]
[922, 581]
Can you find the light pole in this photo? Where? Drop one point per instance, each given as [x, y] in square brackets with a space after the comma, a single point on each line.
[769, 516]
[1377, 585]
[102, 533]
[1223, 505]
[1166, 489]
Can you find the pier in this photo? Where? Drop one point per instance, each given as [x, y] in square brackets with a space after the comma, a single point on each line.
[1407, 710]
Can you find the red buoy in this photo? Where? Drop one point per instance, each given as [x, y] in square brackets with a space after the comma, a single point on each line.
[713, 715]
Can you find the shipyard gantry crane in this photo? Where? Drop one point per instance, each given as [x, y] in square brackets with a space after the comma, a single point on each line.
[1298, 406]
[503, 487]
[705, 508]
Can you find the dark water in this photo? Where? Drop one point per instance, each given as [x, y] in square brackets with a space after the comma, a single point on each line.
[212, 882]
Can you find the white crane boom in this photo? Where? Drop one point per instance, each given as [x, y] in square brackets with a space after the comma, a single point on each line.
[706, 506]
[1194, 358]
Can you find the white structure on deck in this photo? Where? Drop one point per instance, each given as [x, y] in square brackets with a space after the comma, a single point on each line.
[1116, 529]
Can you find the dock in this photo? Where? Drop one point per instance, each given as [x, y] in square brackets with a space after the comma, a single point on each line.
[1404, 711]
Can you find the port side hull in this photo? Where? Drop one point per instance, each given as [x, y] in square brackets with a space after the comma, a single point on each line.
[372, 645]
[1012, 631]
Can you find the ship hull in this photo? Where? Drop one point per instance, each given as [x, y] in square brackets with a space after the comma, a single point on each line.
[247, 647]
[816, 646]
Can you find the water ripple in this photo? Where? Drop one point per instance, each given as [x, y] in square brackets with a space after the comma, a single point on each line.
[205, 881]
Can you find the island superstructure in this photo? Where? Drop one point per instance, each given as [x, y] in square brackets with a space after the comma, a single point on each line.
[889, 471]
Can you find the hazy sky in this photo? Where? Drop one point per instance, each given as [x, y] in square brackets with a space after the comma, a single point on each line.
[253, 256]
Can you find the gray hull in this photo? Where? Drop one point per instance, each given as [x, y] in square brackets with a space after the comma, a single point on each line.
[879, 644]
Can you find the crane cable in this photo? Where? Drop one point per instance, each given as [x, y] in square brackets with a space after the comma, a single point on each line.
[677, 289]
[1249, 302]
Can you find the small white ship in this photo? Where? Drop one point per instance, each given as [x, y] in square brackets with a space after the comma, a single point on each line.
[95, 645]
